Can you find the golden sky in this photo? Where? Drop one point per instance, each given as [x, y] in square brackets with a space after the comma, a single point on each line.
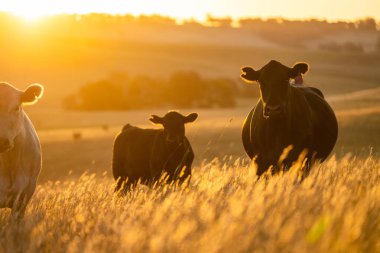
[198, 9]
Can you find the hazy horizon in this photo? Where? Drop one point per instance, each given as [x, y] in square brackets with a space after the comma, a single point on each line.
[199, 10]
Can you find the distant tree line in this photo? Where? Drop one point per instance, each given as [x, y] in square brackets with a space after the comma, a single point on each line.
[281, 31]
[180, 90]
[296, 32]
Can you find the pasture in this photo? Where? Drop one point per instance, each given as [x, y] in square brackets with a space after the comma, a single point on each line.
[215, 134]
[225, 209]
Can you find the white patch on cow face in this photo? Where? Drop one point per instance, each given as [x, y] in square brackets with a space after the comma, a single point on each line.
[11, 116]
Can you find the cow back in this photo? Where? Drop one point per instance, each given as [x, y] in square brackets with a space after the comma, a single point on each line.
[325, 125]
[143, 154]
[132, 152]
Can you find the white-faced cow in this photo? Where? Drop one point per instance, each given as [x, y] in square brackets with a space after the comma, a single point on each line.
[20, 152]
[287, 116]
[145, 154]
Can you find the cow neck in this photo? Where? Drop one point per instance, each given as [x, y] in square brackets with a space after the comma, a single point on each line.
[171, 153]
[187, 151]
[156, 145]
[289, 103]
[152, 152]
[297, 108]
[11, 159]
[278, 127]
[13, 156]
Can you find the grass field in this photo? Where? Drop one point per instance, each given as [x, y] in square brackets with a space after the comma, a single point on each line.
[225, 208]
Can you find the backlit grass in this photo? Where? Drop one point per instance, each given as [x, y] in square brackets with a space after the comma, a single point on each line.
[225, 209]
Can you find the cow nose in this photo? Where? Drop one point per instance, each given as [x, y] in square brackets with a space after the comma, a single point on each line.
[270, 110]
[170, 139]
[274, 108]
[266, 112]
[4, 144]
[173, 140]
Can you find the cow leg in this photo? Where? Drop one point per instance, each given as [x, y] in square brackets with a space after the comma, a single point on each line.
[124, 185]
[262, 166]
[121, 186]
[185, 175]
[309, 163]
[22, 197]
[19, 206]
[286, 163]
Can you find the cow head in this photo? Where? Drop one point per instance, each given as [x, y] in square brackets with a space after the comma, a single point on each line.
[174, 126]
[274, 84]
[11, 112]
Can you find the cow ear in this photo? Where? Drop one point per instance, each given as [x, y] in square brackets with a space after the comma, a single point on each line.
[298, 68]
[191, 117]
[249, 74]
[32, 94]
[156, 119]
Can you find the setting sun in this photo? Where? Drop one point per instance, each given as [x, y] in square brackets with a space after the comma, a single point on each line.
[28, 10]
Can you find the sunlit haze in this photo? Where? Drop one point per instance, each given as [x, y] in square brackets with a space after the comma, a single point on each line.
[199, 9]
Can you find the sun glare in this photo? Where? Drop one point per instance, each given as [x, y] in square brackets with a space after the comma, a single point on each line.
[29, 10]
[29, 16]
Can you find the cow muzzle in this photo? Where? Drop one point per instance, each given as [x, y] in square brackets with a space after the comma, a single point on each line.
[5, 145]
[272, 111]
[174, 141]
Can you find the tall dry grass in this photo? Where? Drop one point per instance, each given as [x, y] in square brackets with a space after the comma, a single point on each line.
[225, 209]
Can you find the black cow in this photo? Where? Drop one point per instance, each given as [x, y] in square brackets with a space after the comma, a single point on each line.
[286, 116]
[145, 154]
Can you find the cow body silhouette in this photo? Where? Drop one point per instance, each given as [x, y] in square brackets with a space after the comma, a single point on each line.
[295, 119]
[145, 154]
[20, 150]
